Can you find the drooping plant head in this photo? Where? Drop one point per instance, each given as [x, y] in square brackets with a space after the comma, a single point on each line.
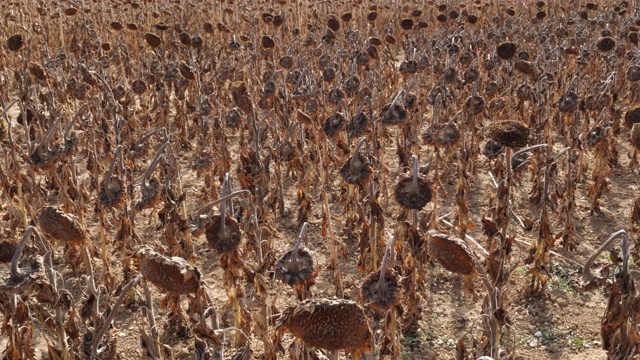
[509, 133]
[357, 170]
[296, 267]
[413, 191]
[21, 279]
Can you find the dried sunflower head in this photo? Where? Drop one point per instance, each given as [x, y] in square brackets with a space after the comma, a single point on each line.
[509, 133]
[606, 44]
[357, 169]
[452, 253]
[411, 197]
[633, 73]
[634, 137]
[358, 125]
[61, 226]
[334, 124]
[446, 136]
[330, 324]
[298, 273]
[393, 115]
[380, 299]
[223, 240]
[171, 274]
[597, 135]
[112, 194]
[15, 42]
[492, 149]
[632, 117]
[474, 105]
[506, 50]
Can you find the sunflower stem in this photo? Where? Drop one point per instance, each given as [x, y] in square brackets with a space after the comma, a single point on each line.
[113, 165]
[15, 260]
[303, 232]
[586, 269]
[385, 261]
[152, 166]
[414, 173]
[355, 154]
[223, 207]
[111, 316]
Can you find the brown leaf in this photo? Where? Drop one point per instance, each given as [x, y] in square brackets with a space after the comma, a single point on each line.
[201, 351]
[461, 350]
[54, 353]
[70, 327]
[489, 227]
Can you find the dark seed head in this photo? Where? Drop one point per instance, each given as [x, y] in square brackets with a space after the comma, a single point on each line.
[509, 133]
[452, 253]
[15, 42]
[506, 50]
[412, 198]
[606, 44]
